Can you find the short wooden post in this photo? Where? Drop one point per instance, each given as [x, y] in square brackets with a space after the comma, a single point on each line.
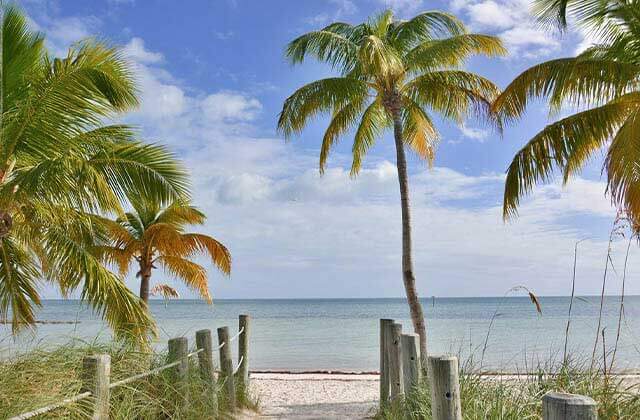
[411, 369]
[560, 406]
[242, 377]
[384, 360]
[445, 388]
[226, 366]
[205, 361]
[178, 350]
[96, 376]
[394, 344]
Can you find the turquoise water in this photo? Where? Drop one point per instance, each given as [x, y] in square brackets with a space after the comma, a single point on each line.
[342, 334]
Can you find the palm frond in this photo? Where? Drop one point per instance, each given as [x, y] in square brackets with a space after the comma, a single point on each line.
[452, 52]
[426, 26]
[565, 145]
[455, 94]
[341, 121]
[18, 282]
[419, 132]
[192, 274]
[374, 120]
[581, 82]
[317, 97]
[197, 243]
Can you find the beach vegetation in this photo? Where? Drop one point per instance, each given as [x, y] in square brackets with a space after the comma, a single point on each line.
[601, 86]
[153, 236]
[392, 75]
[61, 164]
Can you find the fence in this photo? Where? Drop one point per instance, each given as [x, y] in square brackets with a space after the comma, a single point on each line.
[401, 369]
[96, 371]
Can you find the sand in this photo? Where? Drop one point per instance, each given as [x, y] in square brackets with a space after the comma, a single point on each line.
[315, 396]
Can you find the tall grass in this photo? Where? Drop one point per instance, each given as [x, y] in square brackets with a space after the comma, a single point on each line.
[520, 397]
[42, 377]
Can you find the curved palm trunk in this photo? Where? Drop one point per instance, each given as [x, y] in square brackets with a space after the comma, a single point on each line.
[417, 315]
[145, 278]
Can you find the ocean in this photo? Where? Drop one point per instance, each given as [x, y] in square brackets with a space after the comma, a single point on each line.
[342, 334]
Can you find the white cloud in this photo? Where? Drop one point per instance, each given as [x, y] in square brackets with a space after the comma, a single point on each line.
[402, 7]
[135, 50]
[341, 9]
[284, 222]
[230, 107]
[474, 133]
[512, 21]
[294, 233]
[489, 13]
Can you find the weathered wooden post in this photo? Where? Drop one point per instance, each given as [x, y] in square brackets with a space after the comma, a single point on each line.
[226, 366]
[411, 368]
[560, 406]
[384, 360]
[178, 350]
[445, 388]
[96, 376]
[242, 376]
[205, 361]
[394, 344]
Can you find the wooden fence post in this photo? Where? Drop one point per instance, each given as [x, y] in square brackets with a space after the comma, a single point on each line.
[205, 361]
[384, 360]
[226, 366]
[96, 375]
[244, 325]
[411, 366]
[178, 350]
[394, 349]
[445, 388]
[560, 406]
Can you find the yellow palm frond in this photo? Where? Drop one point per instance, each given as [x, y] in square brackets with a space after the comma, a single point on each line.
[192, 274]
[164, 237]
[197, 243]
[419, 132]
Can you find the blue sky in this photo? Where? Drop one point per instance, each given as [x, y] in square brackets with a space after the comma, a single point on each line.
[212, 77]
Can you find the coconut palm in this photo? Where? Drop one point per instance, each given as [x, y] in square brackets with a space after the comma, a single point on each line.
[392, 72]
[153, 235]
[604, 83]
[59, 164]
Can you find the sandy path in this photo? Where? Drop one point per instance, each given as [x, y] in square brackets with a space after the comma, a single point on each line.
[315, 396]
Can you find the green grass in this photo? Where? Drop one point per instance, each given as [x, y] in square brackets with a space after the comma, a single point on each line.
[42, 377]
[486, 397]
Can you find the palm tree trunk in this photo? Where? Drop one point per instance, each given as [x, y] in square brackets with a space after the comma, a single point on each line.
[145, 278]
[417, 315]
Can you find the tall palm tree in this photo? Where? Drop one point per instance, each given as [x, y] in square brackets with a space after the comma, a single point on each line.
[391, 73]
[604, 82]
[59, 164]
[155, 235]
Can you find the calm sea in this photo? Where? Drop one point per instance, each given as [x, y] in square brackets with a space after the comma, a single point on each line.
[342, 334]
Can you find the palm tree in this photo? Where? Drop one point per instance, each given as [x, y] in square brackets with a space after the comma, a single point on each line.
[59, 164]
[604, 82]
[155, 235]
[391, 72]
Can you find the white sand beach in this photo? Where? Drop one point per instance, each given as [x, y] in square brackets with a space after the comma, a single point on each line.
[315, 396]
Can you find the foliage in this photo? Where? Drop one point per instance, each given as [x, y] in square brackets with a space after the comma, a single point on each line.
[43, 377]
[602, 84]
[520, 397]
[153, 234]
[385, 64]
[59, 163]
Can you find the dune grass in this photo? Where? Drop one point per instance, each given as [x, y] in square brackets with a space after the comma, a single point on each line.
[42, 377]
[518, 397]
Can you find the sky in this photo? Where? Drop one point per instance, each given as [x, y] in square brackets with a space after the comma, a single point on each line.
[212, 78]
